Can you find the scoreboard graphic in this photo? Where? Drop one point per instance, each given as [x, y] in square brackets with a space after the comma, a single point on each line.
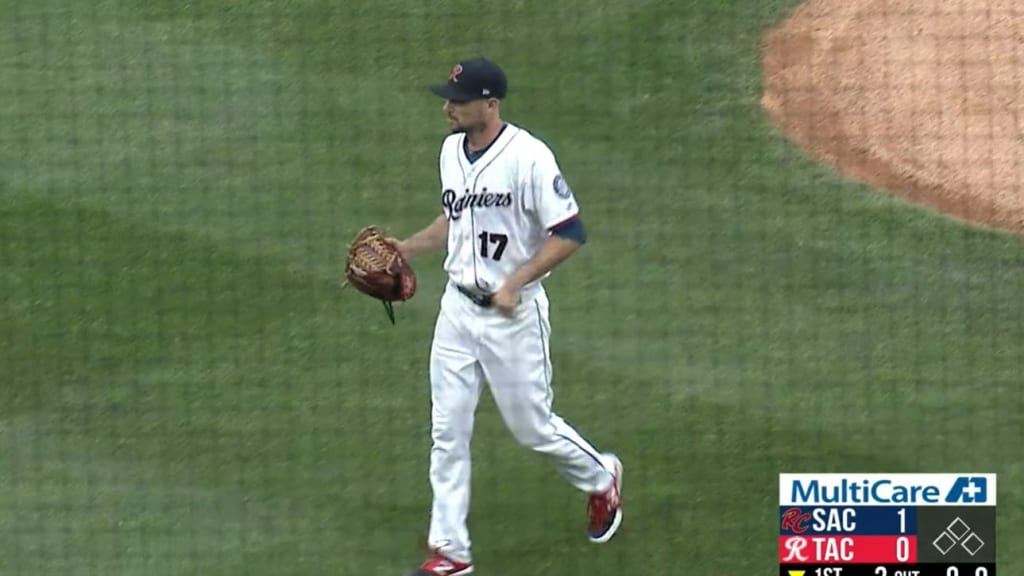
[887, 524]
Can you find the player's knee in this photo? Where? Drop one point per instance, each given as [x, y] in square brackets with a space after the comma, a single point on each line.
[445, 432]
[529, 436]
[448, 432]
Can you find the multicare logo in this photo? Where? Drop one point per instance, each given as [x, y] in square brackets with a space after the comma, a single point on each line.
[887, 489]
[969, 490]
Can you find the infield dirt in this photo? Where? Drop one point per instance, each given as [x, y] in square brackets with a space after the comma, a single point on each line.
[922, 99]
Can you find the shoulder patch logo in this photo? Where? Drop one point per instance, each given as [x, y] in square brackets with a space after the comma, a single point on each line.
[561, 187]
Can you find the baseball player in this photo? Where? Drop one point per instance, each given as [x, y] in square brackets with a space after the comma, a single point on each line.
[508, 217]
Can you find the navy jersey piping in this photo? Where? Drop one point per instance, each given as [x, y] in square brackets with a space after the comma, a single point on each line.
[472, 219]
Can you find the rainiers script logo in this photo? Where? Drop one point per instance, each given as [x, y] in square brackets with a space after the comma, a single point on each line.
[453, 206]
[795, 547]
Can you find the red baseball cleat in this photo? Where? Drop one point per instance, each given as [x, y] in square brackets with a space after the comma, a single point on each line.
[438, 565]
[605, 509]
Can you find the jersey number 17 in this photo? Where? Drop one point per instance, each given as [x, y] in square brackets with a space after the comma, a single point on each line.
[488, 238]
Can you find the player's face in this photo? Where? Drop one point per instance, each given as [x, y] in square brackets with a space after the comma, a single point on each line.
[467, 116]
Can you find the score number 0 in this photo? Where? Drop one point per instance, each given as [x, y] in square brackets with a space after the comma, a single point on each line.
[903, 551]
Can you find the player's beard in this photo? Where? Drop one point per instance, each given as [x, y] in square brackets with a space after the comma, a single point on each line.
[459, 127]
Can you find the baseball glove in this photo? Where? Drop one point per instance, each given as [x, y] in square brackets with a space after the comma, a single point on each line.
[374, 266]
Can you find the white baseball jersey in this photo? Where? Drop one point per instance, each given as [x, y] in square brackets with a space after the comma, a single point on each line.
[501, 208]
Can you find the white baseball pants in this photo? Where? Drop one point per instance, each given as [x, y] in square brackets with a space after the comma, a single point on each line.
[473, 344]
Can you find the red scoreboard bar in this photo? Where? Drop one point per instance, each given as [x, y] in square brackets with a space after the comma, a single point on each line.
[847, 549]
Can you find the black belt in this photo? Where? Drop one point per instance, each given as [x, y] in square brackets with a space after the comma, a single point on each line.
[483, 300]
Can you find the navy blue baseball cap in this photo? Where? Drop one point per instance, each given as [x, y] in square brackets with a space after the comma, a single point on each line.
[473, 79]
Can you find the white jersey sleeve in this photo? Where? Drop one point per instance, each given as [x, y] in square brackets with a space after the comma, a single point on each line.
[549, 196]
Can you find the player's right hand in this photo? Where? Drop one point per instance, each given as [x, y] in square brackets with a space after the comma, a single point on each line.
[506, 299]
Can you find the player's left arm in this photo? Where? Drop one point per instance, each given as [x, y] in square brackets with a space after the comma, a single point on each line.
[551, 201]
[565, 239]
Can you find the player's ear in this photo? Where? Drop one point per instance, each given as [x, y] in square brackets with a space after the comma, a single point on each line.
[494, 106]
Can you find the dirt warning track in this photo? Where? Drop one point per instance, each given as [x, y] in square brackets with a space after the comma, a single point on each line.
[922, 98]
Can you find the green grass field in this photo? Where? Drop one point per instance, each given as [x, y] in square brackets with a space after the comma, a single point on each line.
[187, 391]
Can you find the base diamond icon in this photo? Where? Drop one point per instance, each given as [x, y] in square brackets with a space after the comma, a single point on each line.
[944, 543]
[972, 544]
[958, 528]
